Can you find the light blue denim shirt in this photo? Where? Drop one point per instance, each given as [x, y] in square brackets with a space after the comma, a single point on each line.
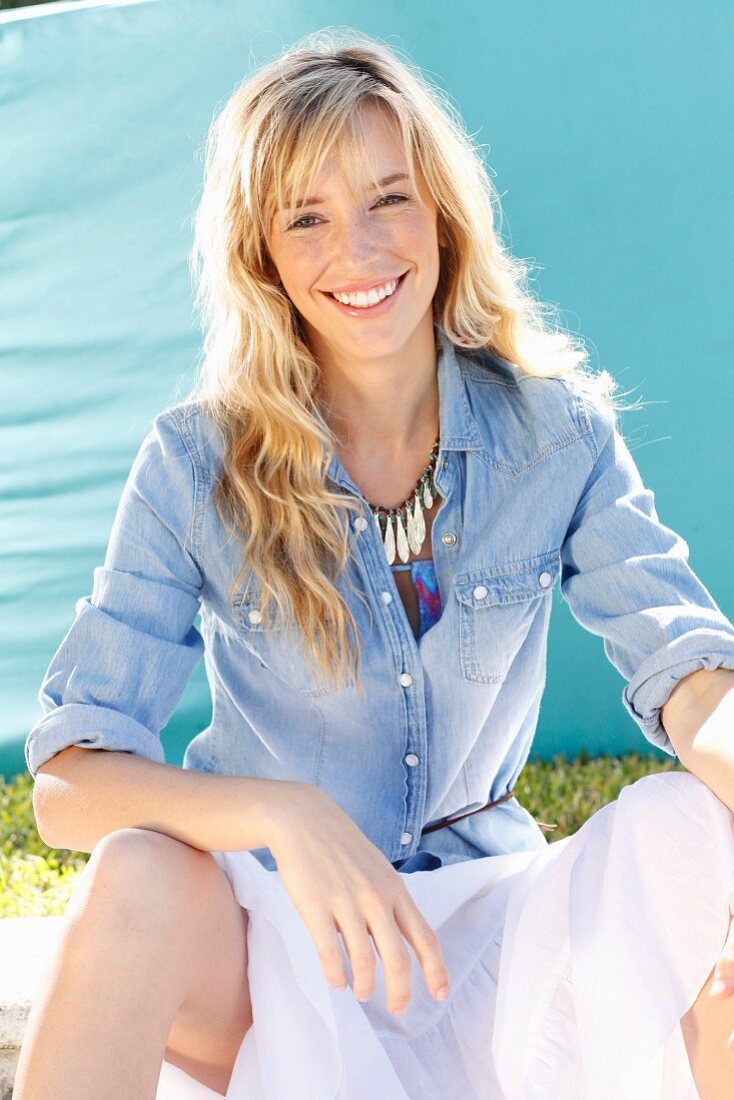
[538, 487]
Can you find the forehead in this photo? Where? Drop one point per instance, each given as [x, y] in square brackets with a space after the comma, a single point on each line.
[368, 152]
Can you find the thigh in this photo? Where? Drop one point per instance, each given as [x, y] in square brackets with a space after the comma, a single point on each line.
[215, 1012]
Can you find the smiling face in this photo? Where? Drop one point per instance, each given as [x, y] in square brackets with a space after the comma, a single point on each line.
[353, 238]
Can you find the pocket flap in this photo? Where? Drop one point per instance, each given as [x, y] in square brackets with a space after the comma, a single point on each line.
[250, 614]
[510, 582]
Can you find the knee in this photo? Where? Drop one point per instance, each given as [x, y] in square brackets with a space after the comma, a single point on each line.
[683, 796]
[138, 875]
[673, 786]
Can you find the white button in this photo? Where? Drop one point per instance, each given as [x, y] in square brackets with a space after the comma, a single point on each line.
[545, 579]
[386, 597]
[255, 616]
[480, 592]
[406, 679]
[406, 838]
[360, 523]
[449, 538]
[412, 760]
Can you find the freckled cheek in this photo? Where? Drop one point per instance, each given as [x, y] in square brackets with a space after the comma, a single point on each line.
[306, 270]
[299, 279]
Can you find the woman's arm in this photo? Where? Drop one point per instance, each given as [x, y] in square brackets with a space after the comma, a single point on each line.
[81, 794]
[339, 882]
[699, 719]
[626, 577]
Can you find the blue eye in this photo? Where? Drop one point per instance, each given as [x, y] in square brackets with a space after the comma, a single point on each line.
[299, 224]
[401, 198]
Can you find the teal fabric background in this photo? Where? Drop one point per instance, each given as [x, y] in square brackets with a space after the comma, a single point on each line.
[605, 131]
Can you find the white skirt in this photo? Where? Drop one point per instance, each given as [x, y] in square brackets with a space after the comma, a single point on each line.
[570, 969]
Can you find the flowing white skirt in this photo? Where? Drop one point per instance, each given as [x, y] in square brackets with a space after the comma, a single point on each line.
[570, 966]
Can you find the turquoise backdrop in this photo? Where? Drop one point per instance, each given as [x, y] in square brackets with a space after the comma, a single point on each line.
[606, 128]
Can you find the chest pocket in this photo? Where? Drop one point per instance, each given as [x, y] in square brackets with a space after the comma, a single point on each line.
[279, 648]
[497, 606]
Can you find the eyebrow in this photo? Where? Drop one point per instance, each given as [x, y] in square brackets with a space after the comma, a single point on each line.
[384, 182]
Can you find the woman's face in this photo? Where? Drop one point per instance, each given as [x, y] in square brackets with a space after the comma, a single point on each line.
[351, 238]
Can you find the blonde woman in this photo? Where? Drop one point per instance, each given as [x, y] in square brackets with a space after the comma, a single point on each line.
[391, 459]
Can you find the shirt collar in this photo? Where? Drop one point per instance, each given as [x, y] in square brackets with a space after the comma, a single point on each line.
[458, 427]
[459, 431]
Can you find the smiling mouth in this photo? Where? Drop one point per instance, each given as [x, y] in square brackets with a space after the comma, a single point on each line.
[370, 305]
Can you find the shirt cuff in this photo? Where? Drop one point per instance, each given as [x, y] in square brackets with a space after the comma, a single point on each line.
[652, 684]
[90, 727]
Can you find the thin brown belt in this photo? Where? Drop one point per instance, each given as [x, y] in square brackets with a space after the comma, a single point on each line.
[487, 806]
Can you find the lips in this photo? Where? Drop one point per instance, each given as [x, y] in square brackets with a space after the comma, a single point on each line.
[365, 289]
[369, 309]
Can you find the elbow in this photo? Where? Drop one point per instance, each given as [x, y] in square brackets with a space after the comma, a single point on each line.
[52, 795]
[692, 701]
[40, 808]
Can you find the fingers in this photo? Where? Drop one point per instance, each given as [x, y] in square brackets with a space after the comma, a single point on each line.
[325, 935]
[371, 919]
[396, 962]
[387, 916]
[723, 983]
[376, 916]
[425, 943]
[360, 951]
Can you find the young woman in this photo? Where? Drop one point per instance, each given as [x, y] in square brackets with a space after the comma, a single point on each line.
[389, 462]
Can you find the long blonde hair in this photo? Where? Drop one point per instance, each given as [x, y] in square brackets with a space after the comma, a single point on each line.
[258, 377]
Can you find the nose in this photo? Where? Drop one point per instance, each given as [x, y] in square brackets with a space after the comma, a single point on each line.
[358, 242]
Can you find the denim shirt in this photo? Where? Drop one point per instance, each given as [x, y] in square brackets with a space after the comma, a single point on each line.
[538, 489]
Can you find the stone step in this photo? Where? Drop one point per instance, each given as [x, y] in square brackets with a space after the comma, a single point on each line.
[26, 947]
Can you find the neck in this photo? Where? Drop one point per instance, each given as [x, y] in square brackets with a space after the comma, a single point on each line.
[385, 403]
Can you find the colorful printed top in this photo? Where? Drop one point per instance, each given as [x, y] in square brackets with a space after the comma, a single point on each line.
[425, 584]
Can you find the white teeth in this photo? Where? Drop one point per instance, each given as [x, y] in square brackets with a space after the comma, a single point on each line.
[371, 298]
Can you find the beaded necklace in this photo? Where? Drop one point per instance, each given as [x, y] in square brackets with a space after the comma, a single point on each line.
[407, 533]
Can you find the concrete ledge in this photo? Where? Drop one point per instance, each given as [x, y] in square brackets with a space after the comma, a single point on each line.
[27, 945]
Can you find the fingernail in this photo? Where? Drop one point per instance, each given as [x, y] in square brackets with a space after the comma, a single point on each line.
[718, 986]
[442, 993]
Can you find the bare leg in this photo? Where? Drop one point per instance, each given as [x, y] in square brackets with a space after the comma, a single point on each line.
[706, 1029]
[153, 949]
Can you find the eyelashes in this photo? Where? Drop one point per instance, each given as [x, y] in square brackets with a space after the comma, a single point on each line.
[298, 224]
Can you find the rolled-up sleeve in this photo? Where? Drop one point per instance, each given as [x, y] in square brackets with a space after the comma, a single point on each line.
[625, 576]
[119, 672]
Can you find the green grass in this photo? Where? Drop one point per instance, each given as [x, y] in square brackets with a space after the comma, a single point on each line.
[36, 880]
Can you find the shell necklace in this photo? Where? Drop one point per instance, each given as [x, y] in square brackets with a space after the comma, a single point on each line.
[406, 533]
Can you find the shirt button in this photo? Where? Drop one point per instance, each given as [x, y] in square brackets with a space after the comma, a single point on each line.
[412, 760]
[545, 579]
[406, 838]
[386, 597]
[449, 538]
[480, 592]
[406, 679]
[360, 524]
[255, 616]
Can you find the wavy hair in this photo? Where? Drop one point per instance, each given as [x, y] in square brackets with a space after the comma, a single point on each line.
[257, 377]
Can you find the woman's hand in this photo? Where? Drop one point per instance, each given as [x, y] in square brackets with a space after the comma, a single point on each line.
[340, 881]
[722, 985]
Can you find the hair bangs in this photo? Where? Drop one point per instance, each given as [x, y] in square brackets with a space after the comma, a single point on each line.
[329, 135]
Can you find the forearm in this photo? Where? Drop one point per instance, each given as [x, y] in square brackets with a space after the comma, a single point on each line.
[699, 719]
[83, 794]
